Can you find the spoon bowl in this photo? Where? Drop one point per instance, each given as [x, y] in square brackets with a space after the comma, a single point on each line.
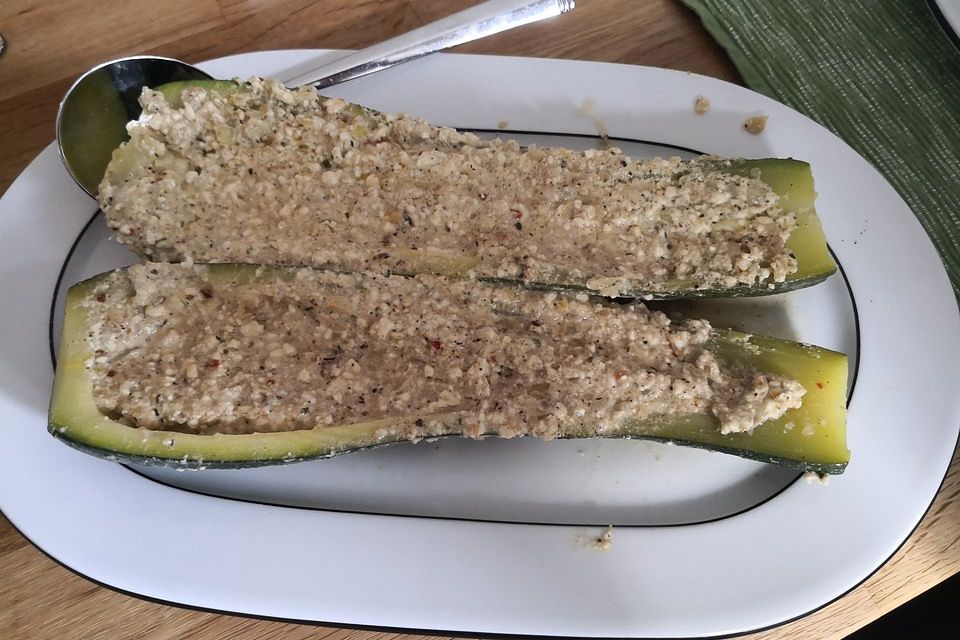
[93, 116]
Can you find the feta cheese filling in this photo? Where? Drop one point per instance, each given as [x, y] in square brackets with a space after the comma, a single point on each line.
[174, 348]
[268, 175]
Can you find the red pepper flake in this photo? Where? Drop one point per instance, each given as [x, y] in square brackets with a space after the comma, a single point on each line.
[213, 364]
[819, 385]
[101, 297]
[111, 373]
[619, 373]
[517, 214]
[492, 359]
[436, 344]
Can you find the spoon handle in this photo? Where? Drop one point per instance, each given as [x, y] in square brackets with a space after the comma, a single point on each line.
[484, 19]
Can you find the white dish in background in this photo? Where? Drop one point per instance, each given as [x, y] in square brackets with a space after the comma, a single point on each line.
[950, 9]
[703, 544]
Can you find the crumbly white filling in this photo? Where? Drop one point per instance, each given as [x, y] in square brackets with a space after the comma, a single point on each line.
[174, 348]
[269, 175]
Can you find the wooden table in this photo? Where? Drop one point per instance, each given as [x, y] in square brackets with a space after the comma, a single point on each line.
[50, 43]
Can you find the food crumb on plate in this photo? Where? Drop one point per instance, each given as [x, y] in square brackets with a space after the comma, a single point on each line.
[603, 542]
[755, 124]
[701, 105]
[588, 109]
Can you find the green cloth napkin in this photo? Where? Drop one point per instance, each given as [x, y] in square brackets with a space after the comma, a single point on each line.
[881, 74]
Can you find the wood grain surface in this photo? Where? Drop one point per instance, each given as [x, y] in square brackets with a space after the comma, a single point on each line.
[49, 43]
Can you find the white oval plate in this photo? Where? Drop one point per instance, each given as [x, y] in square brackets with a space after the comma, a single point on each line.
[744, 549]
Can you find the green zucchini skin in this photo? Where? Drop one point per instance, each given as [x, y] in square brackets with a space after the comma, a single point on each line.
[835, 468]
[173, 91]
[75, 419]
[790, 179]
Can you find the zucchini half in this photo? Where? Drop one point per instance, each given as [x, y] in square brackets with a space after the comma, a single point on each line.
[811, 438]
[790, 179]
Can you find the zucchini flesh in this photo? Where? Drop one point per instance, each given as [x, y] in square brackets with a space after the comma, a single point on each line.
[811, 438]
[790, 179]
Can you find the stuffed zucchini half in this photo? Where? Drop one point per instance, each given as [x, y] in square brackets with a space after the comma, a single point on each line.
[224, 172]
[235, 366]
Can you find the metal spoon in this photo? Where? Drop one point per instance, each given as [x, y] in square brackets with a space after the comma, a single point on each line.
[93, 115]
